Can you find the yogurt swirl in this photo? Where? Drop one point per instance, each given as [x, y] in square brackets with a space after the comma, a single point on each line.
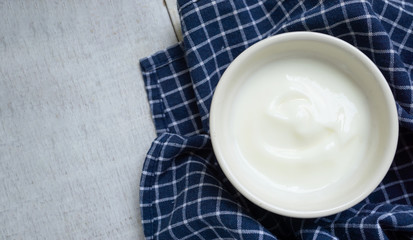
[301, 122]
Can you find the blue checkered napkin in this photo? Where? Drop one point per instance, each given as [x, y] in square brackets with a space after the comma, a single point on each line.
[185, 195]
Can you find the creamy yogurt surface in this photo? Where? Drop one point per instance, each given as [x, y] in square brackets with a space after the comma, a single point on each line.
[301, 123]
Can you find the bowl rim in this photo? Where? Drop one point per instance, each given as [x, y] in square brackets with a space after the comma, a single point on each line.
[219, 94]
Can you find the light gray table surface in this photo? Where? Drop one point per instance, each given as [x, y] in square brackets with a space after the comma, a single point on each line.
[75, 123]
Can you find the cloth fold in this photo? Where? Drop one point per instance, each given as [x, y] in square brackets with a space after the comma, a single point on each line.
[183, 192]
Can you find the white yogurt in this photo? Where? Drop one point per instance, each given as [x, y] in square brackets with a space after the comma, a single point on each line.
[301, 123]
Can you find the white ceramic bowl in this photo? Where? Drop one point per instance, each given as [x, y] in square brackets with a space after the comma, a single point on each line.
[383, 132]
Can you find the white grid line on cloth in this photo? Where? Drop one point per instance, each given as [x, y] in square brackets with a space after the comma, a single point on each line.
[171, 232]
[206, 215]
[406, 119]
[363, 234]
[367, 8]
[365, 211]
[235, 14]
[158, 210]
[174, 122]
[326, 10]
[174, 168]
[403, 2]
[316, 233]
[332, 228]
[347, 21]
[174, 76]
[327, 26]
[251, 18]
[183, 207]
[186, 222]
[395, 3]
[199, 209]
[188, 32]
[302, 18]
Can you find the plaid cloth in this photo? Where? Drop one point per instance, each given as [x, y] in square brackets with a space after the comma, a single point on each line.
[183, 192]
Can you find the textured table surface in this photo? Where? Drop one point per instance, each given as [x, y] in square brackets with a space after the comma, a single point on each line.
[74, 120]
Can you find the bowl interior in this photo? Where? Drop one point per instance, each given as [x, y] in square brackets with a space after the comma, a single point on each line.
[383, 131]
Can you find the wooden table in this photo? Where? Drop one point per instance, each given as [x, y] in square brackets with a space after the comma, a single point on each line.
[75, 123]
